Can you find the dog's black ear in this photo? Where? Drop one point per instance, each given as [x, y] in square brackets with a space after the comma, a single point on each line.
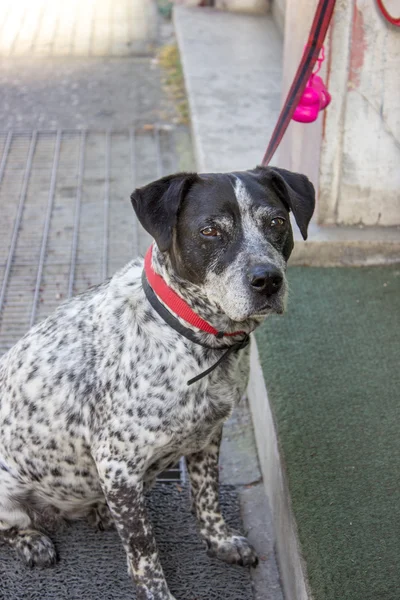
[296, 192]
[157, 205]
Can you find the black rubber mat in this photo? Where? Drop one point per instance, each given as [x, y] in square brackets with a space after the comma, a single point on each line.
[92, 564]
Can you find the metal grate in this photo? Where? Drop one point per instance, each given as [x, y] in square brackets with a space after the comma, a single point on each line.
[65, 217]
[174, 474]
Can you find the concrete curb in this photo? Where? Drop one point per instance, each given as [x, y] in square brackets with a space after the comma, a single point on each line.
[330, 246]
[194, 122]
[291, 564]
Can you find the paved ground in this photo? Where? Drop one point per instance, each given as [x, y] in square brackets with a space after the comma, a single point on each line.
[76, 28]
[83, 92]
[83, 120]
[87, 64]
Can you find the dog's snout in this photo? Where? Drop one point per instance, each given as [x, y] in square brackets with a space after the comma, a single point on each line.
[265, 278]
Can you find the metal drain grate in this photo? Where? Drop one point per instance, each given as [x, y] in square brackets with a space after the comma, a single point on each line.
[176, 474]
[65, 218]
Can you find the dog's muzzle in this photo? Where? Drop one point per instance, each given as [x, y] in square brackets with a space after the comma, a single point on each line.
[265, 279]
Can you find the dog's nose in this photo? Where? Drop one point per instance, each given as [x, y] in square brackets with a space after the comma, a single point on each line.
[266, 279]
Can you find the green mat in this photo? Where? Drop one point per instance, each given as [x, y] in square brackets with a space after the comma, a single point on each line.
[332, 369]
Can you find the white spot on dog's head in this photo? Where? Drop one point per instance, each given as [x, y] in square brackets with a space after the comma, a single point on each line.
[242, 195]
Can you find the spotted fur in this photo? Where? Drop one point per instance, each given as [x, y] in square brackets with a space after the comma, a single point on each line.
[94, 401]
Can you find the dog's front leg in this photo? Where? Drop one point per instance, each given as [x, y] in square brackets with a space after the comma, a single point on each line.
[124, 494]
[223, 542]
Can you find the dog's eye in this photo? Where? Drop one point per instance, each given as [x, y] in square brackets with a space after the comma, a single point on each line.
[210, 231]
[277, 222]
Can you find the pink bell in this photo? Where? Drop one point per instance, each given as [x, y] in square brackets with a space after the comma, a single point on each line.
[314, 99]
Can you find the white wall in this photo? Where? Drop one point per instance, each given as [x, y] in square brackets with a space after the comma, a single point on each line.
[353, 152]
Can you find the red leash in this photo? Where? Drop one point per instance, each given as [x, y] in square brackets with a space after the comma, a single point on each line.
[313, 47]
[393, 20]
[320, 24]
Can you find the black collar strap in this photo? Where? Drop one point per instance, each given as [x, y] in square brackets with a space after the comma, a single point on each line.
[173, 322]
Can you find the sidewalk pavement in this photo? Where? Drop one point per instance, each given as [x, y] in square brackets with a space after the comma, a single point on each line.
[234, 90]
[76, 28]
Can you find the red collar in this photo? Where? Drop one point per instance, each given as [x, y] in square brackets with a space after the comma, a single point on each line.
[175, 303]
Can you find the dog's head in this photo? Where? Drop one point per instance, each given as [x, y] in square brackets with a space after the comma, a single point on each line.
[229, 233]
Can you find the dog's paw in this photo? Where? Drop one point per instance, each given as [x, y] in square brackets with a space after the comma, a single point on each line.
[35, 549]
[234, 550]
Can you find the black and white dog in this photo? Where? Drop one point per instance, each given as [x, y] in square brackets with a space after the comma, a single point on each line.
[95, 401]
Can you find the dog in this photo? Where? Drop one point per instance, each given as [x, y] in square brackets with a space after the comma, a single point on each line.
[124, 379]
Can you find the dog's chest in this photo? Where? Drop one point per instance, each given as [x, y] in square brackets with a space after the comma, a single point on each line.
[155, 408]
[192, 425]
